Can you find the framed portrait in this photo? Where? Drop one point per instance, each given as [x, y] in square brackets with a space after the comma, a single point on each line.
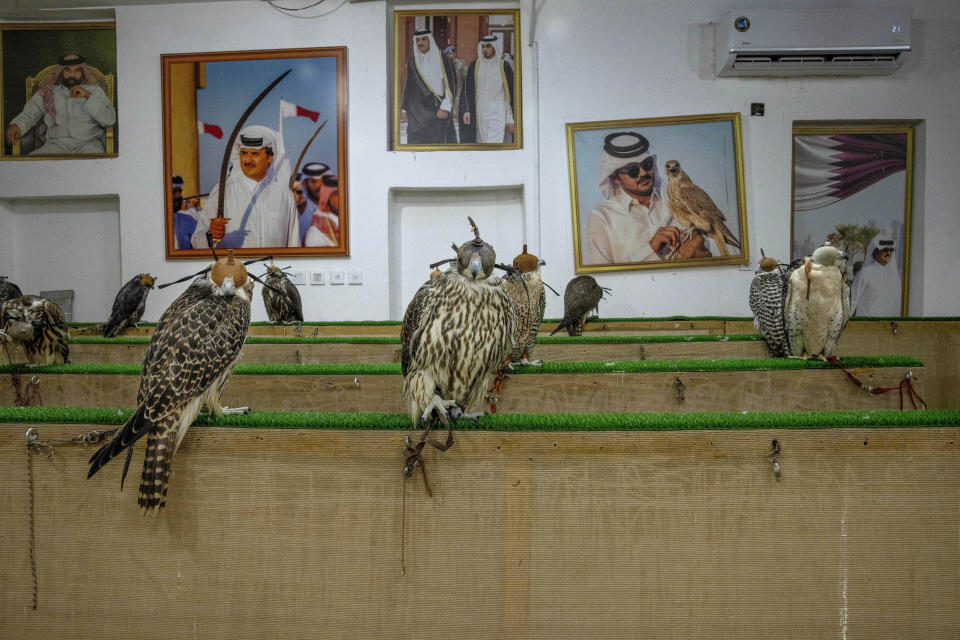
[657, 193]
[255, 152]
[852, 185]
[456, 80]
[58, 92]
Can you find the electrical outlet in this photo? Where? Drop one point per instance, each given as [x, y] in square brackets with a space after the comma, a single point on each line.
[316, 277]
[297, 277]
[356, 276]
[337, 277]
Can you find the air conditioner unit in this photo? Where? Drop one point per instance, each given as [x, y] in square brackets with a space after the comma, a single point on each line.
[812, 42]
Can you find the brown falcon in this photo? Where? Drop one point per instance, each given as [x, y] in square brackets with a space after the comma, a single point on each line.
[128, 305]
[8, 290]
[457, 330]
[581, 296]
[188, 362]
[37, 325]
[282, 301]
[527, 291]
[694, 209]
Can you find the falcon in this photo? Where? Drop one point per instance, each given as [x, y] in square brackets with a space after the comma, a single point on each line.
[37, 325]
[188, 362]
[581, 296]
[8, 290]
[128, 305]
[694, 209]
[817, 306]
[281, 298]
[527, 291]
[456, 331]
[768, 293]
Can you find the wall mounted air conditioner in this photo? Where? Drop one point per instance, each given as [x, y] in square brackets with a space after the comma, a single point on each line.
[812, 42]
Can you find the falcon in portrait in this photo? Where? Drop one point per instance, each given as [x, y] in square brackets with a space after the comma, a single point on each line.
[281, 298]
[695, 210]
[582, 295]
[8, 290]
[456, 331]
[527, 291]
[188, 362]
[768, 294]
[38, 326]
[818, 305]
[128, 305]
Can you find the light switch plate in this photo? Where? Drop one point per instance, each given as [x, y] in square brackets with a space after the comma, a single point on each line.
[356, 276]
[337, 277]
[298, 277]
[317, 277]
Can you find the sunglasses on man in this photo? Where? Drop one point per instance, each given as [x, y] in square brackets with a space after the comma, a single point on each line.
[633, 170]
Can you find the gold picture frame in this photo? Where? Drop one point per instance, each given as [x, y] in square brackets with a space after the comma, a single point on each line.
[616, 231]
[414, 124]
[852, 183]
[300, 95]
[30, 57]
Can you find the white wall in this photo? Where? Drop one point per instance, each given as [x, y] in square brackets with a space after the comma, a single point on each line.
[609, 59]
[64, 243]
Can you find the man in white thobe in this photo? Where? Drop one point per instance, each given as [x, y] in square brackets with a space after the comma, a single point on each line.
[428, 93]
[259, 209]
[487, 97]
[74, 111]
[877, 287]
[634, 224]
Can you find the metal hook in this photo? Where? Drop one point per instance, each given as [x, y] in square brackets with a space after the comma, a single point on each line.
[774, 458]
[32, 436]
[680, 390]
[893, 327]
[356, 382]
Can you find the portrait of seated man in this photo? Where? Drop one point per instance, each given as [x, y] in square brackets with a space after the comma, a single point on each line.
[259, 208]
[73, 108]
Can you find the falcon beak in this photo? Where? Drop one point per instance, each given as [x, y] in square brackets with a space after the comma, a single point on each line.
[475, 266]
[227, 287]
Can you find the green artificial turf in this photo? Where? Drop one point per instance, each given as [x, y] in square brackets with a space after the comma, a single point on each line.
[750, 337]
[623, 366]
[348, 323]
[518, 422]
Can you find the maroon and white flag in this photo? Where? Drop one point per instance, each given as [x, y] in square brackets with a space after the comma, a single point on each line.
[290, 110]
[212, 129]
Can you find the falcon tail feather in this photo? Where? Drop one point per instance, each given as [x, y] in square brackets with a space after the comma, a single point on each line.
[129, 433]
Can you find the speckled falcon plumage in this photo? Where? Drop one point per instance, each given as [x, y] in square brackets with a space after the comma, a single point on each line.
[818, 305]
[531, 301]
[8, 290]
[284, 308]
[128, 305]
[188, 362]
[768, 294]
[693, 207]
[581, 296]
[38, 326]
[457, 330]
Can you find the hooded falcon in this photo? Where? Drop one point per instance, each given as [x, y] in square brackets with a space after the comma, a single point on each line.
[37, 325]
[581, 296]
[128, 305]
[281, 307]
[692, 207]
[768, 293]
[188, 362]
[818, 305]
[527, 291]
[457, 330]
[8, 290]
